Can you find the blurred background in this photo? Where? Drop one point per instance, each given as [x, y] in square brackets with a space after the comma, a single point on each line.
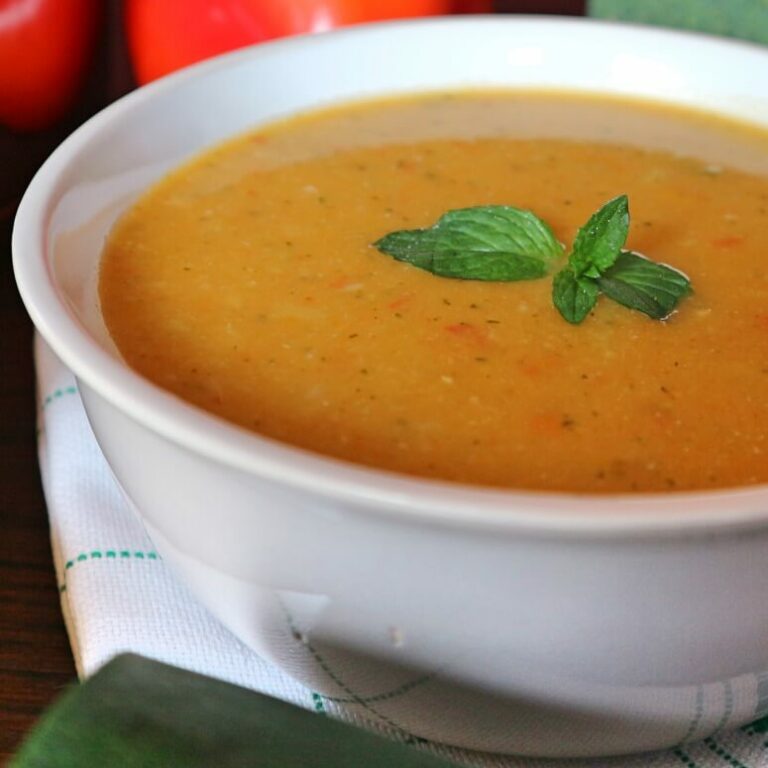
[63, 60]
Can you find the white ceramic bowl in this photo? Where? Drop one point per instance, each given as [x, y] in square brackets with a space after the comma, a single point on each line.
[531, 623]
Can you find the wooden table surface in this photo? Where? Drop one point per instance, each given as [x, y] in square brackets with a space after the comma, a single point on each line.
[35, 660]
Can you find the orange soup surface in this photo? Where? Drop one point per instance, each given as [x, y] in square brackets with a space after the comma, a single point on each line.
[246, 283]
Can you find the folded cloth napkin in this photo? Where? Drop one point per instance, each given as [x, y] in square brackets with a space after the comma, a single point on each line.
[117, 594]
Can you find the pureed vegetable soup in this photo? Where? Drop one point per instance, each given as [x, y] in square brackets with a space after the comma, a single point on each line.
[248, 282]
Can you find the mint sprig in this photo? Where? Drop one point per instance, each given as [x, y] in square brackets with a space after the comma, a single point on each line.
[502, 243]
[490, 242]
[598, 264]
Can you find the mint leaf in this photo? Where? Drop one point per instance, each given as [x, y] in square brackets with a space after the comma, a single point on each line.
[500, 266]
[413, 246]
[599, 242]
[574, 296]
[644, 285]
[492, 242]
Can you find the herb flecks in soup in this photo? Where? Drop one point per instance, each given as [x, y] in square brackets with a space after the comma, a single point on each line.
[245, 282]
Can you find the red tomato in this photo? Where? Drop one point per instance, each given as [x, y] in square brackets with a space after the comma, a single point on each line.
[45, 46]
[292, 17]
[164, 35]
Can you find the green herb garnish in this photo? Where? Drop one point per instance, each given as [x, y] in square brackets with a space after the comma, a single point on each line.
[599, 242]
[574, 296]
[598, 264]
[638, 283]
[491, 242]
[502, 243]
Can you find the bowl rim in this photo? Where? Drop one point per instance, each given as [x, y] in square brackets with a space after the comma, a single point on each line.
[408, 497]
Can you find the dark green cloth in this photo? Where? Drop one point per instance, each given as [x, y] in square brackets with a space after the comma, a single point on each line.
[137, 713]
[747, 19]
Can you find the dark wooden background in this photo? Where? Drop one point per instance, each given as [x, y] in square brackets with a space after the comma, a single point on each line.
[35, 661]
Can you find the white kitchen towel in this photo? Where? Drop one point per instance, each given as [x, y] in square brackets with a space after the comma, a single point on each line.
[118, 595]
